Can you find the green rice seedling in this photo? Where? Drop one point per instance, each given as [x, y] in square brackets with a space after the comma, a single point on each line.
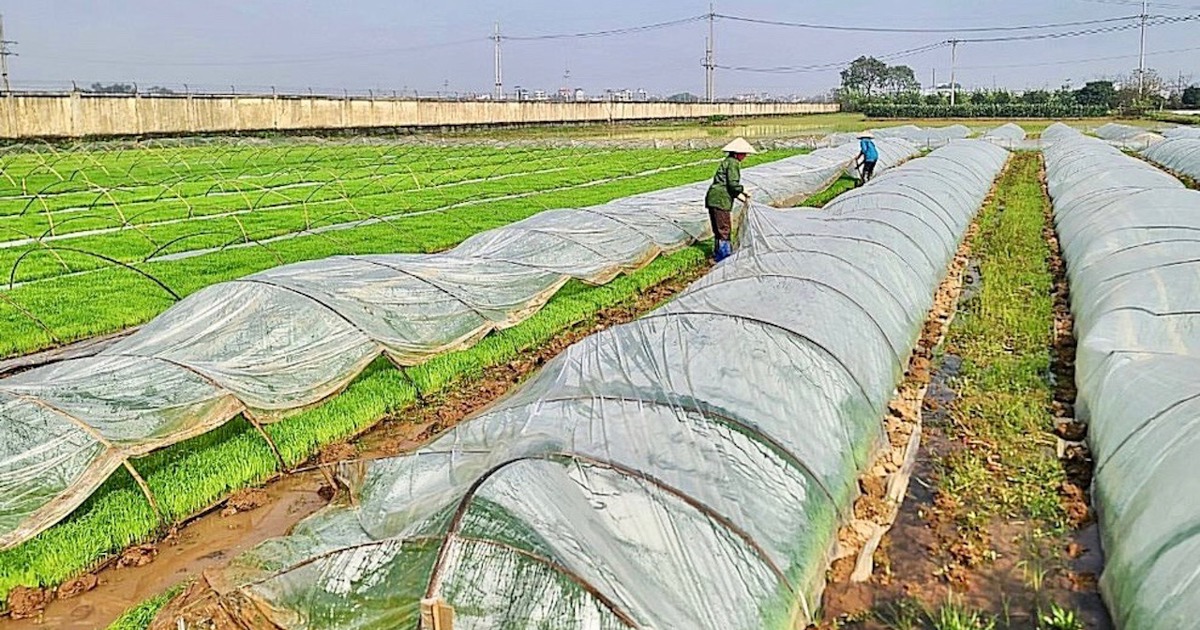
[66, 308]
[139, 617]
[192, 476]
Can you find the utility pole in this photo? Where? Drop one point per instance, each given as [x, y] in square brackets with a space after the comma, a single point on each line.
[953, 70]
[499, 66]
[710, 57]
[1142, 55]
[5, 53]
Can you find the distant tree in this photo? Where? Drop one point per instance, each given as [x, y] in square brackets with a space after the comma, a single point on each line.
[1036, 97]
[901, 80]
[1140, 94]
[1191, 96]
[162, 91]
[683, 97]
[1065, 96]
[980, 97]
[112, 88]
[935, 99]
[1097, 94]
[865, 76]
[1001, 97]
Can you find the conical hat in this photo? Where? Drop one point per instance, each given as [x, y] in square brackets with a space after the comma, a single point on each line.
[866, 134]
[739, 146]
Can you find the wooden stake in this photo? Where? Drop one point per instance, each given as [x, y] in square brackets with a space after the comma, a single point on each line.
[436, 615]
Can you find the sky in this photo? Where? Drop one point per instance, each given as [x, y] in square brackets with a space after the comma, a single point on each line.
[442, 45]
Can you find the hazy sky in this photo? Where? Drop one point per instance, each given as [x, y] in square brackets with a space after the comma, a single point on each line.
[360, 44]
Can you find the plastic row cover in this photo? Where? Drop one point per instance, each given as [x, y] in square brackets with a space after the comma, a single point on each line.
[921, 136]
[1181, 155]
[687, 470]
[1127, 135]
[787, 182]
[1182, 132]
[1131, 240]
[291, 336]
[1006, 135]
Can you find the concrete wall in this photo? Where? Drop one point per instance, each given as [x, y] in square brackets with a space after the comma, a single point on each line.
[78, 115]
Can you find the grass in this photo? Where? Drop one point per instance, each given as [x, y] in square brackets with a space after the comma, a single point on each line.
[1004, 468]
[62, 309]
[139, 617]
[841, 185]
[190, 476]
[1004, 336]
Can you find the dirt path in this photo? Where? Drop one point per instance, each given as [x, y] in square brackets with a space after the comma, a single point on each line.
[210, 540]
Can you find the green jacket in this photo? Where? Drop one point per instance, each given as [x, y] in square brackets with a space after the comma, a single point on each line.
[726, 185]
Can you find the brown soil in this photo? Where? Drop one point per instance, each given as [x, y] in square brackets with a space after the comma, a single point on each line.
[26, 603]
[245, 500]
[254, 515]
[81, 584]
[137, 556]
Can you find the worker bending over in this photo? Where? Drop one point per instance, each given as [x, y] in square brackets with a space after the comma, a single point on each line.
[868, 154]
[725, 189]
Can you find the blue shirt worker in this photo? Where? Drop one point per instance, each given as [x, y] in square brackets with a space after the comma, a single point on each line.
[868, 153]
[725, 189]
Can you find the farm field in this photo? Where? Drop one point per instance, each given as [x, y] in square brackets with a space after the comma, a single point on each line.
[190, 476]
[812, 126]
[997, 531]
[94, 240]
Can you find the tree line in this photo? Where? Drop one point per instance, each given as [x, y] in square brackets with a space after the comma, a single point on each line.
[878, 89]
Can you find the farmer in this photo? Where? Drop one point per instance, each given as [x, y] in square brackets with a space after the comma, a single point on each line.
[725, 189]
[868, 154]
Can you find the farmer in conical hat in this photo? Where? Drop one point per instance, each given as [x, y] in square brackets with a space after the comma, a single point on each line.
[868, 154]
[725, 189]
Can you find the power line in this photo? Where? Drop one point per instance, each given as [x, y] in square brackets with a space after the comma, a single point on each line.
[610, 32]
[889, 29]
[835, 65]
[1154, 21]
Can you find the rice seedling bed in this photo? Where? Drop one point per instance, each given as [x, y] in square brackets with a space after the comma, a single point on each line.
[84, 296]
[192, 476]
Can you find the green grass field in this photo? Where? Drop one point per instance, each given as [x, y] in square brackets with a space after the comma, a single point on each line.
[97, 240]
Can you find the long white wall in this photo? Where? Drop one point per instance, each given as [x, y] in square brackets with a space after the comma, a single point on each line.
[77, 115]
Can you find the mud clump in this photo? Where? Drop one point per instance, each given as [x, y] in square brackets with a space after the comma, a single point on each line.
[1075, 501]
[245, 500]
[137, 556]
[77, 586]
[337, 452]
[26, 603]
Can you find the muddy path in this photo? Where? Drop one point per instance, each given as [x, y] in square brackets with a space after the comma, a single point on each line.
[250, 517]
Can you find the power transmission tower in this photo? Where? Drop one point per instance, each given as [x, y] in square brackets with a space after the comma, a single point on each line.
[710, 57]
[499, 66]
[1142, 54]
[5, 53]
[953, 70]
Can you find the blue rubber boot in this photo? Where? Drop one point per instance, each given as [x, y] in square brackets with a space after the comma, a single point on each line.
[724, 250]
